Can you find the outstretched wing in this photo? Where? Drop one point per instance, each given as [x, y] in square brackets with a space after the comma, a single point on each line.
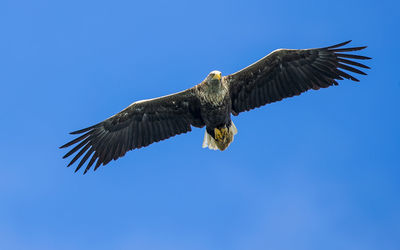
[289, 72]
[138, 125]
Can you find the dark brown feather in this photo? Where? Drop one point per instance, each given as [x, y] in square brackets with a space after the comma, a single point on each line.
[286, 72]
[353, 63]
[138, 125]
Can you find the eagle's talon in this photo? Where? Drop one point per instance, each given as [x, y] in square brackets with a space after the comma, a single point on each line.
[218, 134]
[224, 132]
[221, 134]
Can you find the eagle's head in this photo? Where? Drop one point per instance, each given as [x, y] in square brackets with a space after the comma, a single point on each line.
[213, 79]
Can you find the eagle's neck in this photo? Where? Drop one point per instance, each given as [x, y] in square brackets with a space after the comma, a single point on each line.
[212, 92]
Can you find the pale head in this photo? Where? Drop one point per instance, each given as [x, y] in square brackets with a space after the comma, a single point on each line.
[214, 78]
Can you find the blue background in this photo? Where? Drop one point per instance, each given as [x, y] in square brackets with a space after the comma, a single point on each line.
[318, 171]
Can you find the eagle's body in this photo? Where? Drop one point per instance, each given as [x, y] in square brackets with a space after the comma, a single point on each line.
[281, 74]
[215, 110]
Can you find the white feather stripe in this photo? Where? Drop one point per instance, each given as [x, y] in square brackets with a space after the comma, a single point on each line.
[234, 129]
[209, 142]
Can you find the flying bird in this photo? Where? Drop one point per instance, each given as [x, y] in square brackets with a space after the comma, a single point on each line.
[282, 73]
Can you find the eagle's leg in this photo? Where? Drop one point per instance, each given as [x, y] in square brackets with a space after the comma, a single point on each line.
[223, 136]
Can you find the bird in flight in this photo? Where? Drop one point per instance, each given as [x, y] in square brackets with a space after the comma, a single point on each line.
[282, 73]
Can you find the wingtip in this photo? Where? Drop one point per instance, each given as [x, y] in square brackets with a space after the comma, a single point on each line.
[82, 130]
[65, 145]
[347, 42]
[338, 45]
[354, 79]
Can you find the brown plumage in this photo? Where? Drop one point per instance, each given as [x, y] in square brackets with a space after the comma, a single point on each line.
[281, 74]
[289, 72]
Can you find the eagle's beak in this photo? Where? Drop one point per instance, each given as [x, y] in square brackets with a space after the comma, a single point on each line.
[217, 77]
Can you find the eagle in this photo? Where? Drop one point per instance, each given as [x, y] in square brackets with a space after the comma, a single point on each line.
[281, 74]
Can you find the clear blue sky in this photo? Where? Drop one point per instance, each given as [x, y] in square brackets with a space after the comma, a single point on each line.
[318, 171]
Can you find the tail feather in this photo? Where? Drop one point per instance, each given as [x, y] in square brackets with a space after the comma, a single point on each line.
[209, 142]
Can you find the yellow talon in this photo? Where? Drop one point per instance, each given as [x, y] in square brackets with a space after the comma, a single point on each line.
[224, 132]
[218, 134]
[221, 134]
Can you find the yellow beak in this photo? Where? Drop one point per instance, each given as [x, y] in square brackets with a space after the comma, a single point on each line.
[217, 76]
